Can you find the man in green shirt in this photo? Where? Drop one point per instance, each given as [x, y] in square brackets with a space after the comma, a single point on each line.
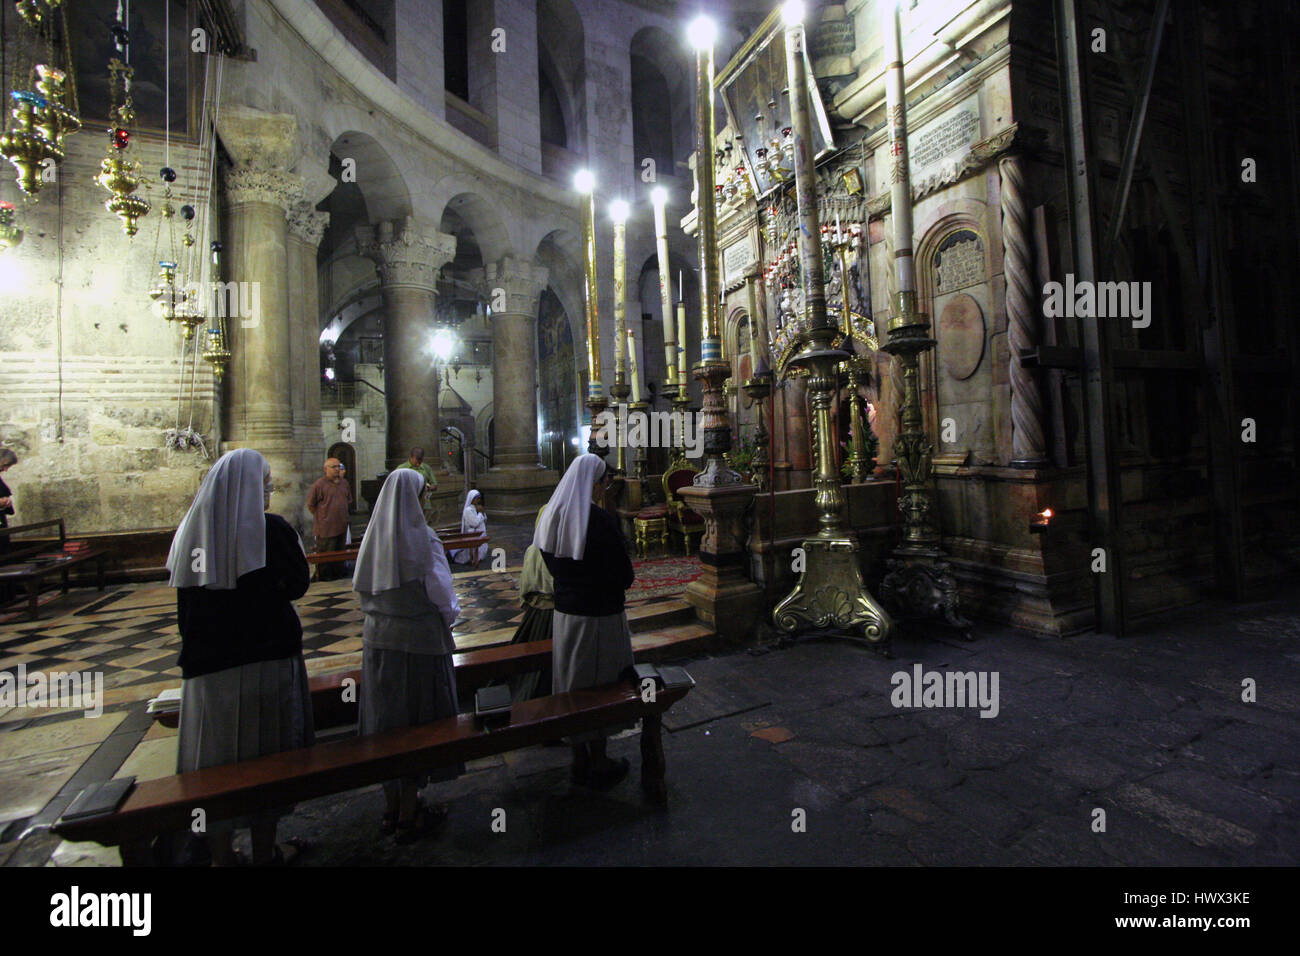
[416, 463]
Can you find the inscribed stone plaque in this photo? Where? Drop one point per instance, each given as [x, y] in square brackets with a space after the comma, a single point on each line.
[961, 336]
[959, 262]
[936, 150]
[737, 259]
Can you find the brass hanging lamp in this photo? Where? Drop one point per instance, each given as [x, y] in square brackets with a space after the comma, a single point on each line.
[40, 116]
[119, 174]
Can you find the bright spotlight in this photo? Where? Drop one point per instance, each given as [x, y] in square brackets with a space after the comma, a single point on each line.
[659, 196]
[584, 181]
[618, 211]
[702, 32]
[444, 343]
[792, 12]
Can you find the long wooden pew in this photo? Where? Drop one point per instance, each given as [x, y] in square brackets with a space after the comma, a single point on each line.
[166, 805]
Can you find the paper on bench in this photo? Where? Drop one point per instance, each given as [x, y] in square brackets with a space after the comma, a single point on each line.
[166, 702]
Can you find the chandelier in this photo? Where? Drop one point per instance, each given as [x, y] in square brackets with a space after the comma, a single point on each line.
[118, 174]
[40, 116]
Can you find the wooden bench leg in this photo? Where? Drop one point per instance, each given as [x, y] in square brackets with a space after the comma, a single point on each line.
[652, 759]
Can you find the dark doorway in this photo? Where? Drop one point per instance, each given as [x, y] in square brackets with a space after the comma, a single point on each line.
[347, 456]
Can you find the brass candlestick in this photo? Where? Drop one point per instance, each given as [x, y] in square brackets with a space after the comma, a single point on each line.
[758, 389]
[831, 590]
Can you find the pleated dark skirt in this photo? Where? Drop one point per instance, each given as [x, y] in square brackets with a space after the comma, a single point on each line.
[400, 689]
[241, 713]
[536, 626]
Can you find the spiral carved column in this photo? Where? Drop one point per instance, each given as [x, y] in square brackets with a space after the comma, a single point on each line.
[1027, 441]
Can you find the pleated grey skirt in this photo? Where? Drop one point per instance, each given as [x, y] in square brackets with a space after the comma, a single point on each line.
[400, 689]
[589, 652]
[245, 712]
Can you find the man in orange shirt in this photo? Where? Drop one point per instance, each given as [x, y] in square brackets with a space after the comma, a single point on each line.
[328, 502]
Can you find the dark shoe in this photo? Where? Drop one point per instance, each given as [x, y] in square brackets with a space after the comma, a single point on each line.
[607, 775]
[426, 820]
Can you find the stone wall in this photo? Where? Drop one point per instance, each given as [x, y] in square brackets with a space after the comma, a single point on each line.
[100, 464]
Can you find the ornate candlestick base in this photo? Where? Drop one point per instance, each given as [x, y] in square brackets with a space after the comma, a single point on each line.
[619, 392]
[758, 389]
[639, 452]
[717, 427]
[920, 584]
[859, 463]
[597, 405]
[831, 591]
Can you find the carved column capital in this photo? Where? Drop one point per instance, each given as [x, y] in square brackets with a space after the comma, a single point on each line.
[512, 286]
[262, 184]
[306, 224]
[406, 254]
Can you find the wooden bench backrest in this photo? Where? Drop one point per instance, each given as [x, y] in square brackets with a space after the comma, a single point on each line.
[276, 780]
[474, 669]
[21, 549]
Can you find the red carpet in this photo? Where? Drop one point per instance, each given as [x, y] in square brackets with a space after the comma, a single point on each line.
[658, 577]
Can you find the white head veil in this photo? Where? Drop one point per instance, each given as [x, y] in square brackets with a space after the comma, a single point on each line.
[469, 518]
[562, 528]
[398, 546]
[223, 535]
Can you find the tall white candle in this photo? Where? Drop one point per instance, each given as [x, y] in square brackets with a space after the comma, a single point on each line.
[681, 338]
[896, 116]
[633, 366]
[665, 288]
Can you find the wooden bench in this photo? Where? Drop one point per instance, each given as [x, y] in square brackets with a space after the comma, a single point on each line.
[157, 807]
[453, 539]
[15, 570]
[329, 557]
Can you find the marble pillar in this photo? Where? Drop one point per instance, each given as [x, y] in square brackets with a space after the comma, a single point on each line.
[517, 484]
[258, 191]
[1029, 445]
[408, 256]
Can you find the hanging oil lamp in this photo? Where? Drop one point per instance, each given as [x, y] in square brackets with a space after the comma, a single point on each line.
[217, 351]
[119, 175]
[10, 233]
[36, 12]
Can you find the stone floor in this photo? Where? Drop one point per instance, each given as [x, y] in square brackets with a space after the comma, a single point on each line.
[127, 635]
[1151, 730]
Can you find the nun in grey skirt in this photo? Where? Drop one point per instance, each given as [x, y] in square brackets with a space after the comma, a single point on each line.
[407, 678]
[244, 693]
[583, 549]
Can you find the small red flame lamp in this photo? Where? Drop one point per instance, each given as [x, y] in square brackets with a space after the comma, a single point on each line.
[1039, 522]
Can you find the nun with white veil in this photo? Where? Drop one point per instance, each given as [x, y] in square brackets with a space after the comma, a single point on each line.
[407, 678]
[237, 571]
[472, 521]
[583, 549]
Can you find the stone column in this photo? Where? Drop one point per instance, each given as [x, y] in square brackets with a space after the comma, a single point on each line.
[408, 257]
[259, 190]
[1028, 445]
[517, 481]
[306, 227]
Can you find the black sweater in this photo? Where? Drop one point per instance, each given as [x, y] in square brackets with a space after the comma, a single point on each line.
[254, 622]
[594, 586]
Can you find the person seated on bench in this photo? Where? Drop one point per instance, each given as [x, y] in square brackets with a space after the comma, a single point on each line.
[244, 691]
[328, 502]
[472, 521]
[407, 678]
[583, 549]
